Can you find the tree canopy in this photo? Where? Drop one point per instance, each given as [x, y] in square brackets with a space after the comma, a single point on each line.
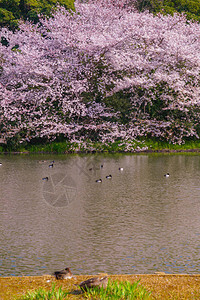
[12, 10]
[189, 7]
[104, 73]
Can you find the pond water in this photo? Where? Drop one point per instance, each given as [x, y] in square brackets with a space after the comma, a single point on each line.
[139, 221]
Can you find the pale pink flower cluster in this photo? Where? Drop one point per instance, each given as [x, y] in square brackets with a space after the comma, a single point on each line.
[55, 77]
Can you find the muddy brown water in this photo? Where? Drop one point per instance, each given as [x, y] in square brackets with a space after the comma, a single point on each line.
[139, 221]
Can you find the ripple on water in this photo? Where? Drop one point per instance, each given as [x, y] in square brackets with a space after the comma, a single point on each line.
[137, 222]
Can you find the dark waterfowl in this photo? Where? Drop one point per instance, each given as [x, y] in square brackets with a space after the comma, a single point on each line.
[166, 175]
[101, 166]
[51, 166]
[0, 164]
[109, 176]
[63, 274]
[45, 178]
[52, 162]
[90, 169]
[93, 282]
[121, 169]
[99, 180]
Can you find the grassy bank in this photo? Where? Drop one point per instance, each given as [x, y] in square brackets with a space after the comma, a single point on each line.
[148, 145]
[160, 286]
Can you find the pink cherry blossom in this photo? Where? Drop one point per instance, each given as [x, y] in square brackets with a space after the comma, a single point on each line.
[56, 77]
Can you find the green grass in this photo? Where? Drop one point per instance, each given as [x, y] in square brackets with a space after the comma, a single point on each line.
[115, 290]
[138, 145]
[156, 144]
[119, 290]
[41, 294]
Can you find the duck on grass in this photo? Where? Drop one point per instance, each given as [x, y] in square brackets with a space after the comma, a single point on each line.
[113, 290]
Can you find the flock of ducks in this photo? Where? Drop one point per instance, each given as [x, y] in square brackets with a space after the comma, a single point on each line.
[84, 285]
[107, 177]
[110, 176]
[90, 169]
[52, 164]
[98, 180]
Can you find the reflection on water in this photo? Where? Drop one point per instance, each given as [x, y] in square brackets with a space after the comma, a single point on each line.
[137, 222]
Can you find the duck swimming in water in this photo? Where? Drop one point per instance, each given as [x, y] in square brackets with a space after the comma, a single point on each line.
[109, 176]
[166, 175]
[99, 180]
[45, 178]
[121, 169]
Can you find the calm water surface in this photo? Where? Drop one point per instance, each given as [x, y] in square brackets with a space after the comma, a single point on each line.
[137, 222]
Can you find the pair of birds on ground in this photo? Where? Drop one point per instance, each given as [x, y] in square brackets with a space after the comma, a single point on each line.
[87, 284]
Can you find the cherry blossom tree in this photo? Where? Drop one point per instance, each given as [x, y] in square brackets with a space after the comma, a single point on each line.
[73, 74]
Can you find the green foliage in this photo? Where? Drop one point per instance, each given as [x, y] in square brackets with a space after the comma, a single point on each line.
[120, 102]
[7, 19]
[12, 10]
[190, 7]
[41, 294]
[119, 290]
[13, 143]
[115, 290]
[151, 144]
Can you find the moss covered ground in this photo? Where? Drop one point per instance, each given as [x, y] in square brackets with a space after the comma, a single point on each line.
[161, 286]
